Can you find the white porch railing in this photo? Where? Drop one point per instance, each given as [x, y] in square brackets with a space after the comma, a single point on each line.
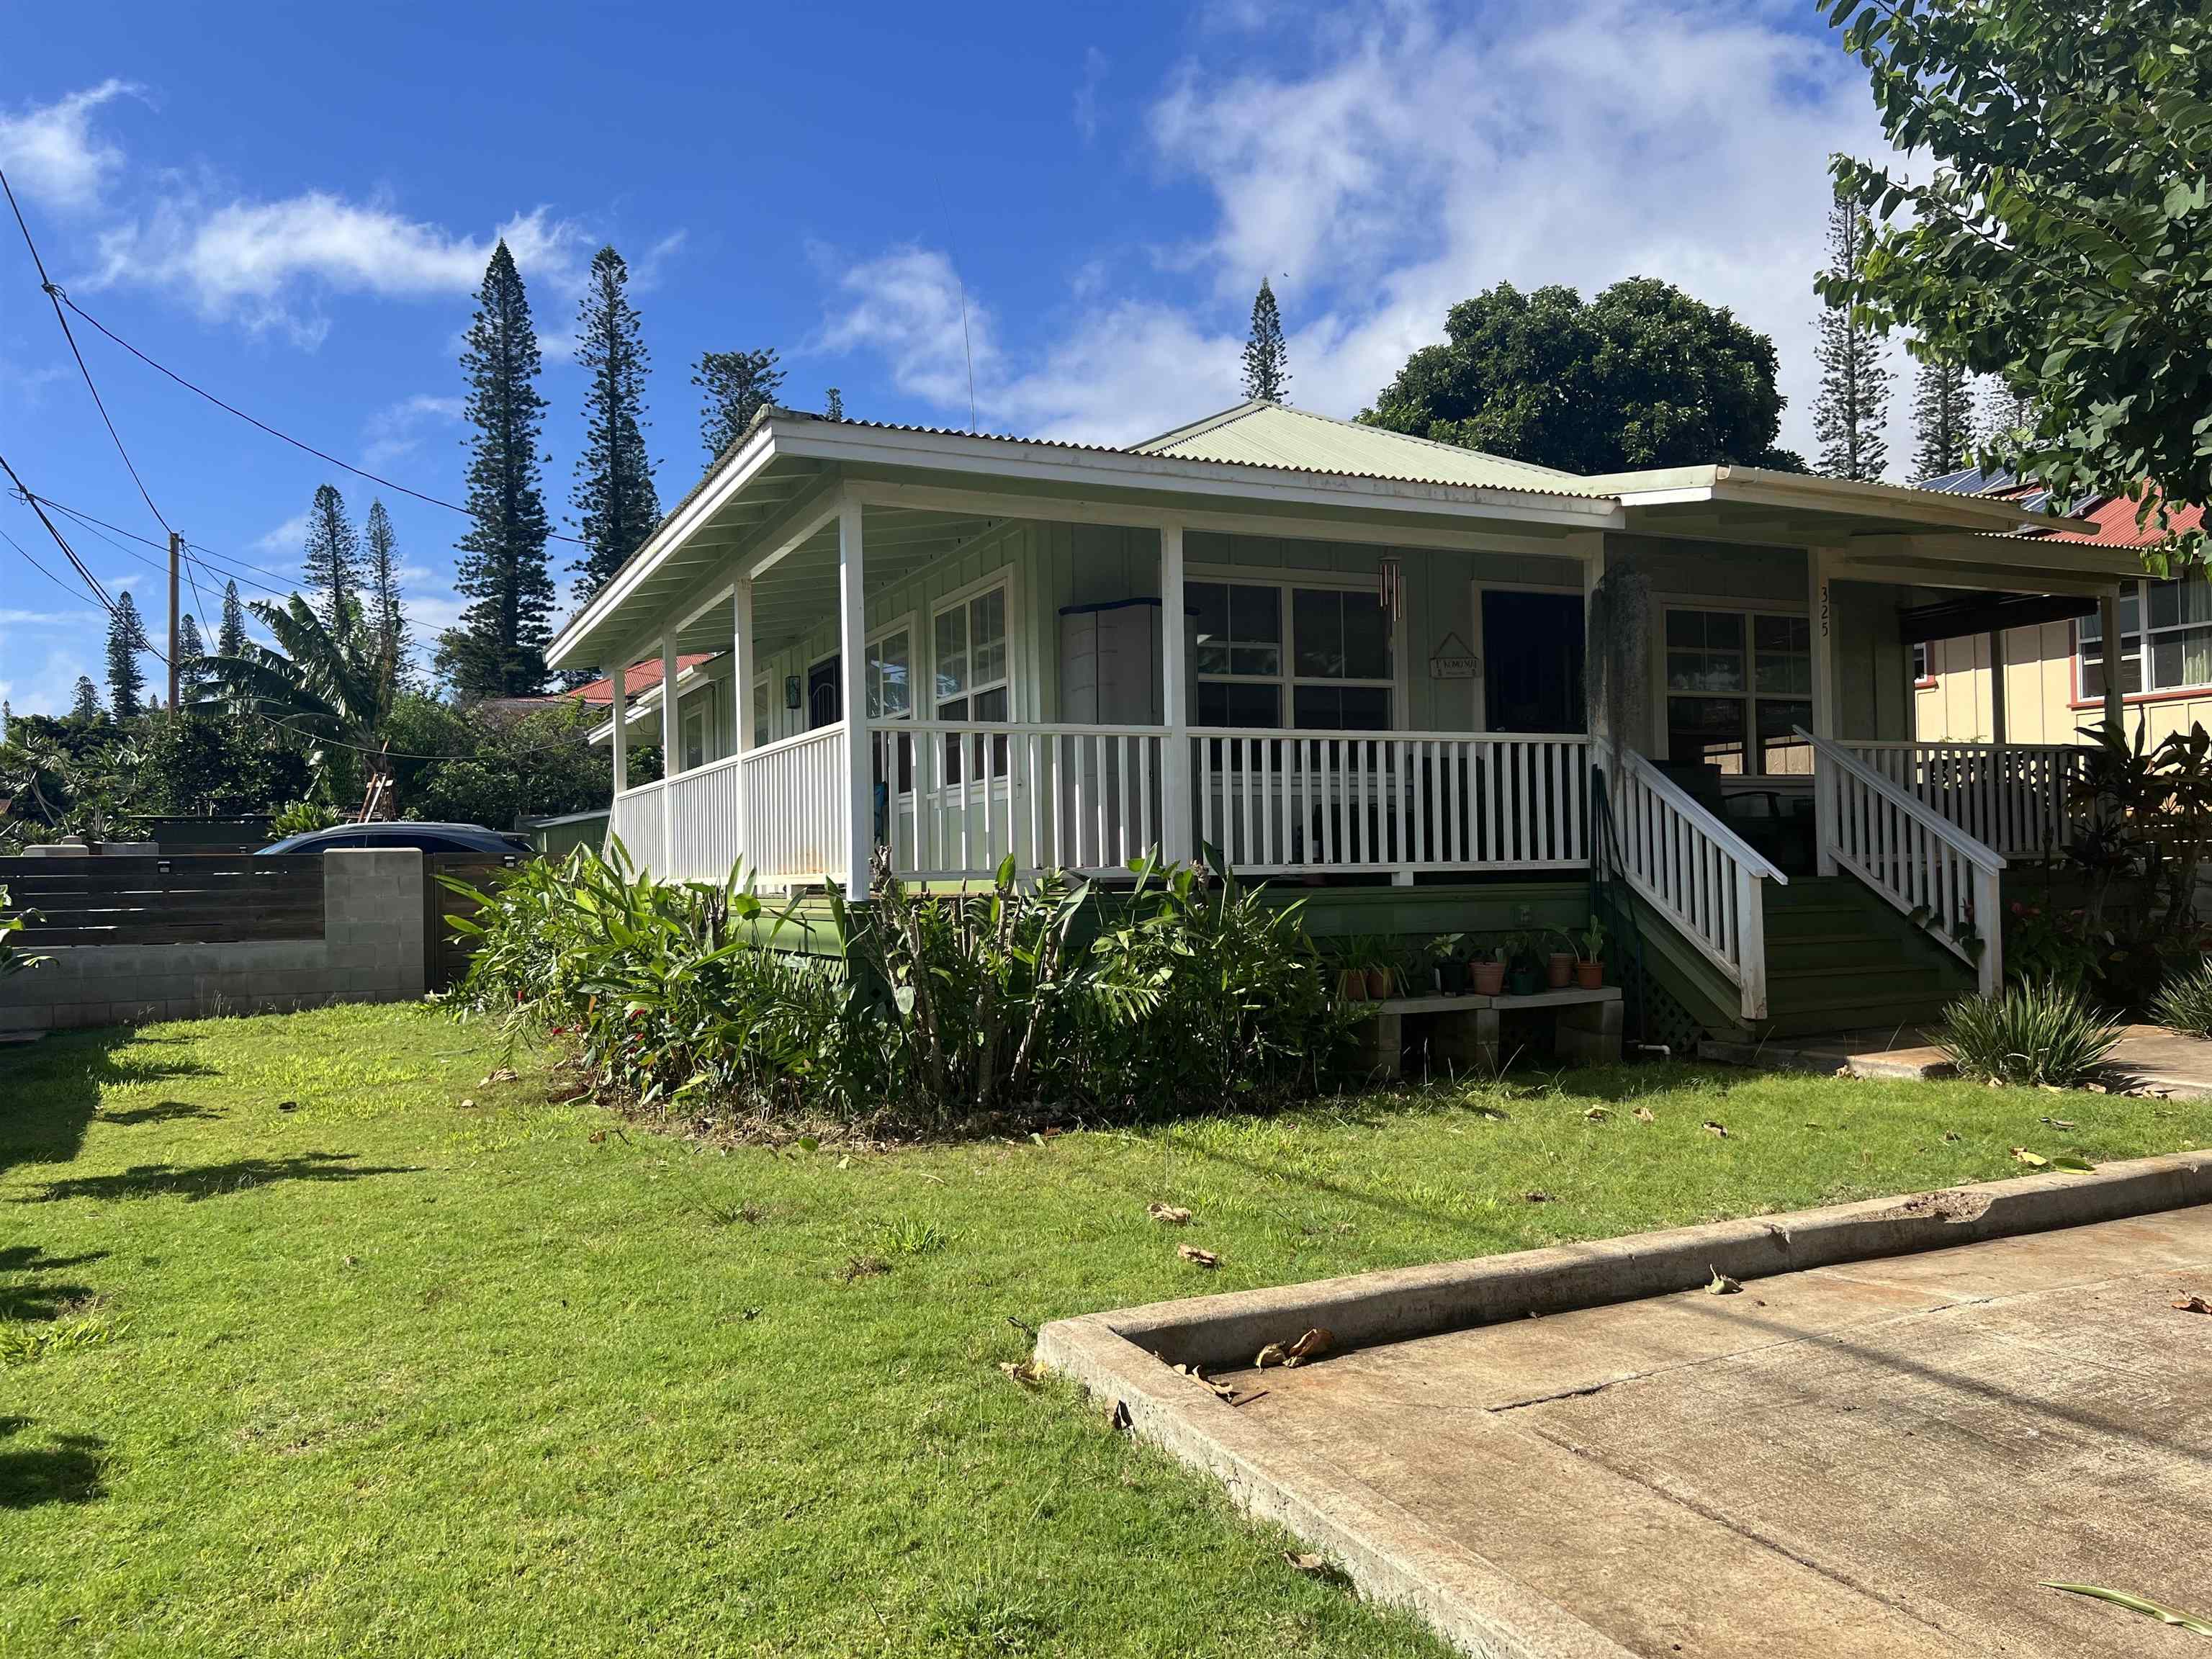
[635, 822]
[1699, 872]
[705, 829]
[2010, 797]
[1278, 802]
[955, 801]
[795, 798]
[1923, 864]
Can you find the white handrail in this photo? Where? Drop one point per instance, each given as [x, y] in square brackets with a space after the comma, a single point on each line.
[1698, 872]
[1925, 866]
[2010, 796]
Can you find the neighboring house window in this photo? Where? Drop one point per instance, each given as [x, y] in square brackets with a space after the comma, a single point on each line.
[698, 728]
[1924, 665]
[2173, 653]
[1738, 685]
[1330, 671]
[970, 670]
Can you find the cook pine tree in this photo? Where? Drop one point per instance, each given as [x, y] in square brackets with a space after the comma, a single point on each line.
[1943, 421]
[385, 613]
[1852, 408]
[230, 634]
[84, 706]
[1267, 360]
[497, 649]
[739, 384]
[332, 566]
[126, 638]
[614, 491]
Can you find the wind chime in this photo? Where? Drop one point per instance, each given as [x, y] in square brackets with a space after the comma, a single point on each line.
[1390, 594]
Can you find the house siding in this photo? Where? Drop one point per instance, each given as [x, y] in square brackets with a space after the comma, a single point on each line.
[2039, 701]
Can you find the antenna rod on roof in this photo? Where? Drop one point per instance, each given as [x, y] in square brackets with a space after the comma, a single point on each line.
[968, 352]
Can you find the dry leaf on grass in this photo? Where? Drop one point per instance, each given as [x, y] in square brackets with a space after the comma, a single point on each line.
[596, 1136]
[1314, 1567]
[1721, 1284]
[1317, 1341]
[2060, 1122]
[863, 1266]
[2033, 1160]
[2194, 1305]
[1536, 1197]
[1024, 1371]
[1197, 1257]
[468, 1105]
[1713, 1128]
[1598, 1114]
[2072, 1163]
[1645, 1115]
[1168, 1215]
[504, 1074]
[1950, 1135]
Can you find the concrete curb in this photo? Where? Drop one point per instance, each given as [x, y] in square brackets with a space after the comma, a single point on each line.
[1126, 1357]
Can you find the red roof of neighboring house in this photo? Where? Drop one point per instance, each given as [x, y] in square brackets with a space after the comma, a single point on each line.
[643, 677]
[2115, 519]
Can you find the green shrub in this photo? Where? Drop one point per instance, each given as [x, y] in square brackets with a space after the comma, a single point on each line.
[2183, 1003]
[2041, 1032]
[12, 960]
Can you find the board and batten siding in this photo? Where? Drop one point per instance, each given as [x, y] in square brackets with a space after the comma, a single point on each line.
[2040, 703]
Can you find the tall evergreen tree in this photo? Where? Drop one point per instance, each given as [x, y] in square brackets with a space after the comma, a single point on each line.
[230, 635]
[1942, 420]
[2004, 414]
[191, 654]
[126, 638]
[1267, 361]
[1852, 408]
[614, 477]
[332, 563]
[84, 707]
[833, 406]
[498, 647]
[738, 386]
[386, 612]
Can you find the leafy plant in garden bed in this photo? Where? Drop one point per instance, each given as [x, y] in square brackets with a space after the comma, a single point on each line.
[2041, 1032]
[12, 960]
[2183, 1003]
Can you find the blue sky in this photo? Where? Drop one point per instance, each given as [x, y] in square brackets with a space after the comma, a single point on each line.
[293, 206]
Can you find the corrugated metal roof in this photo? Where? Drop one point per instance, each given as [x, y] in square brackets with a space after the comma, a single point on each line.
[1260, 433]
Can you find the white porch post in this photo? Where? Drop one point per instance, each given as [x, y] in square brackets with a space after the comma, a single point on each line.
[1997, 687]
[1178, 843]
[741, 701]
[671, 758]
[852, 669]
[618, 681]
[1594, 721]
[2108, 618]
[1818, 560]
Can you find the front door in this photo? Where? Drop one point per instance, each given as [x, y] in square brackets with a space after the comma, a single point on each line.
[1532, 654]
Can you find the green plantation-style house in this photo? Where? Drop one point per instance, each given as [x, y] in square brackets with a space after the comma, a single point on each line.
[1430, 690]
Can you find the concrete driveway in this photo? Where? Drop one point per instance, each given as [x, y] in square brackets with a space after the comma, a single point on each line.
[1879, 1458]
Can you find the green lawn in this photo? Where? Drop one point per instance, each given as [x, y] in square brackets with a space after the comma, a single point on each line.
[385, 1374]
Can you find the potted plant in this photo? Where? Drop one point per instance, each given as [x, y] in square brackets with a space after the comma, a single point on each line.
[1350, 971]
[1589, 971]
[1487, 971]
[1524, 977]
[1381, 977]
[1558, 965]
[1448, 952]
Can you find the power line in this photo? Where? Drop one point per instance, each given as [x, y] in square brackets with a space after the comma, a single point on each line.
[296, 443]
[35, 565]
[99, 527]
[210, 554]
[70, 553]
[55, 296]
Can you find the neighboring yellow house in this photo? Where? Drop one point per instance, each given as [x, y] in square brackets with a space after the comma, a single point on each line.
[2052, 684]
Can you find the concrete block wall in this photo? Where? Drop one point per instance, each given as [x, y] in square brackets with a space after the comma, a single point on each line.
[371, 951]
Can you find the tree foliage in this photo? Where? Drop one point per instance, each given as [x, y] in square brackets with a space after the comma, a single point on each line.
[614, 488]
[126, 638]
[1943, 421]
[1642, 376]
[331, 565]
[501, 767]
[1267, 360]
[386, 611]
[498, 648]
[1850, 412]
[320, 686]
[230, 636]
[739, 384]
[2051, 223]
[84, 705]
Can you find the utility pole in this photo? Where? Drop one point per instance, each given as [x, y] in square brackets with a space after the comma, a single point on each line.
[176, 556]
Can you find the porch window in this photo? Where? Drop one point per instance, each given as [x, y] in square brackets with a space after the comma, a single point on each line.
[971, 685]
[1738, 685]
[2173, 653]
[697, 728]
[761, 727]
[1331, 669]
[890, 697]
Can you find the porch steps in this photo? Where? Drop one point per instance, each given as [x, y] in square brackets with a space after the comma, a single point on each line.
[1838, 957]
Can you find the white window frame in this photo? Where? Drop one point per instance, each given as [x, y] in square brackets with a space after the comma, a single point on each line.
[1286, 583]
[1749, 697]
[904, 623]
[764, 712]
[2144, 636]
[696, 708]
[963, 600]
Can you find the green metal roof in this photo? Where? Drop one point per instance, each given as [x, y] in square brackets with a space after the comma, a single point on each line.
[1260, 433]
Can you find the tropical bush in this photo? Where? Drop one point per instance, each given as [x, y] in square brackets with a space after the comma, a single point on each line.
[2040, 1032]
[12, 961]
[933, 1008]
[2183, 1003]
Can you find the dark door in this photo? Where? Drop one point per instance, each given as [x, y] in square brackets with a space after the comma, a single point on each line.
[825, 694]
[1532, 654]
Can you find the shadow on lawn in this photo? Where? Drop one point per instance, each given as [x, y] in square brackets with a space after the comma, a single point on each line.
[53, 1088]
[166, 1111]
[65, 1470]
[196, 1182]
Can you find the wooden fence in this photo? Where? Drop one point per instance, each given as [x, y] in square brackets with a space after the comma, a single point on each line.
[445, 953]
[189, 899]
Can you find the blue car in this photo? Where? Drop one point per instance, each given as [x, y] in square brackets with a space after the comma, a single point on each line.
[472, 839]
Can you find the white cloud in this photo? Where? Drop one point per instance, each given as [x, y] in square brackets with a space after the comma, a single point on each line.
[1095, 65]
[52, 154]
[287, 538]
[398, 430]
[1415, 158]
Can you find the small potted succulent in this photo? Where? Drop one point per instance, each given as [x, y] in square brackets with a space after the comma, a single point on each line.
[1559, 965]
[1487, 972]
[1589, 969]
[1524, 977]
[1448, 953]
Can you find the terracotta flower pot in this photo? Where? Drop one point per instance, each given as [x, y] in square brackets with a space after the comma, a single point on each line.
[1489, 978]
[1589, 975]
[1559, 969]
[1378, 984]
[1351, 984]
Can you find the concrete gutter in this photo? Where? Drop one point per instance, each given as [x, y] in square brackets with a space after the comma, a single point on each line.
[1126, 1358]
